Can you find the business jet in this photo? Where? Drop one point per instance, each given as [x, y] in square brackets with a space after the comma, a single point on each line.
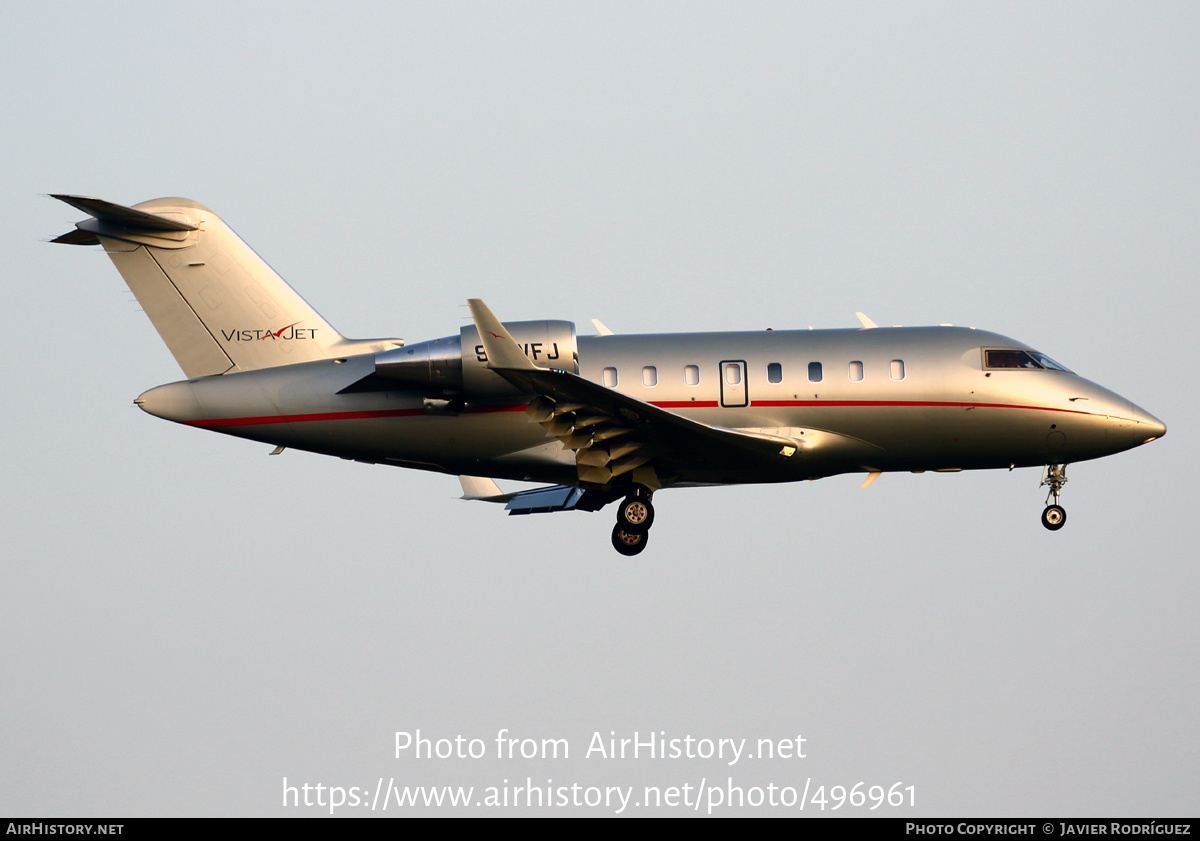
[595, 419]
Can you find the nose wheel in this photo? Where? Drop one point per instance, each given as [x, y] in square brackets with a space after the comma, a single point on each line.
[1054, 517]
[635, 515]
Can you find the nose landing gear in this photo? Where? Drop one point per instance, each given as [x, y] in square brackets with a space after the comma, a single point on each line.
[635, 515]
[1054, 517]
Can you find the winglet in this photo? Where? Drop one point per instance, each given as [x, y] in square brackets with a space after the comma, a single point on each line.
[601, 330]
[482, 488]
[502, 350]
[867, 323]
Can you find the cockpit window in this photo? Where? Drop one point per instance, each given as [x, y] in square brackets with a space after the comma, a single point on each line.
[1030, 359]
[1049, 363]
[1008, 359]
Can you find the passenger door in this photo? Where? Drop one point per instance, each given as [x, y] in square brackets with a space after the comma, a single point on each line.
[733, 383]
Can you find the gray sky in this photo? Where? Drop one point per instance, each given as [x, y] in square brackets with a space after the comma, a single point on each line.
[184, 622]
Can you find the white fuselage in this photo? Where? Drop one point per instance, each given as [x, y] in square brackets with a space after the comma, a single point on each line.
[868, 400]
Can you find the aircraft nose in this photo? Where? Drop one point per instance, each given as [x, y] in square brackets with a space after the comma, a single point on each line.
[174, 402]
[1147, 423]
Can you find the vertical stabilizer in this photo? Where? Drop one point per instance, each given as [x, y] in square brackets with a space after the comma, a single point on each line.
[216, 304]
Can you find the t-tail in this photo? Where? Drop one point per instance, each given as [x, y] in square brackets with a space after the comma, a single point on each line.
[217, 305]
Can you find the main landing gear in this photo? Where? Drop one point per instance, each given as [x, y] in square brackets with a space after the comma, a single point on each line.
[635, 515]
[1055, 516]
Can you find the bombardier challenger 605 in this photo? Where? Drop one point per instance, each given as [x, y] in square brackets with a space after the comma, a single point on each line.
[597, 419]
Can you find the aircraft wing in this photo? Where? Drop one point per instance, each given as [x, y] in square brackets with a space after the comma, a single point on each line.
[612, 433]
[536, 500]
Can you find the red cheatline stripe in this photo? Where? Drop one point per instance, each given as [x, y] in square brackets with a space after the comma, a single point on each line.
[666, 404]
[941, 404]
[479, 410]
[336, 416]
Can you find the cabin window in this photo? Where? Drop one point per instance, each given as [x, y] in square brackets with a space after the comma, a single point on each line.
[650, 376]
[897, 369]
[774, 373]
[814, 372]
[856, 372]
[691, 374]
[733, 373]
[610, 377]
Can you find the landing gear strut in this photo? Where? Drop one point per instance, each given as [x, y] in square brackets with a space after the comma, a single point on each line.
[635, 515]
[1055, 516]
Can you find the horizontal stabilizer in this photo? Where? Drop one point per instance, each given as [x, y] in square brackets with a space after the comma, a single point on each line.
[118, 214]
[77, 237]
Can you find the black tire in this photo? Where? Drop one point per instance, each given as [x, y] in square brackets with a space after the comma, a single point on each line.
[627, 542]
[1054, 517]
[635, 514]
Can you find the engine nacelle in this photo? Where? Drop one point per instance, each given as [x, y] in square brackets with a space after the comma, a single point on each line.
[549, 344]
[457, 365]
[434, 366]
